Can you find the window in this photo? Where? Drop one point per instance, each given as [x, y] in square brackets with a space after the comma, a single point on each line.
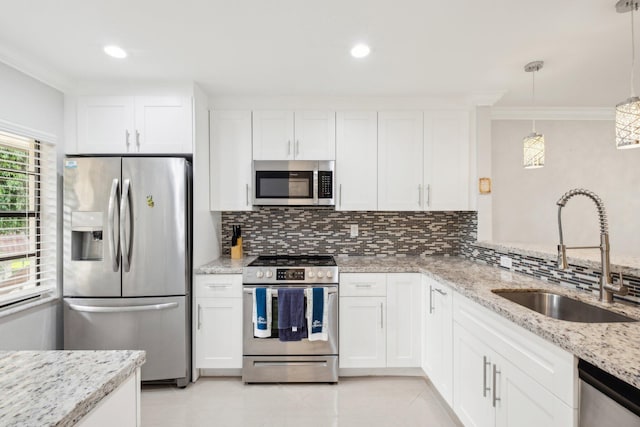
[27, 218]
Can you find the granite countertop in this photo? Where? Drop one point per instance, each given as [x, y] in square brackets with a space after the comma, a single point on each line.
[610, 346]
[224, 265]
[58, 388]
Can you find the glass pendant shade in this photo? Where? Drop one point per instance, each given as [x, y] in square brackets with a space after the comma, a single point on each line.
[628, 123]
[533, 150]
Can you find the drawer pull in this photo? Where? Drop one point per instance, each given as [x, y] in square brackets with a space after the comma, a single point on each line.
[363, 285]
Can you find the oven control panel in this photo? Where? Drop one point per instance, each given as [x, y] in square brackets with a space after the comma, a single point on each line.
[290, 274]
[266, 275]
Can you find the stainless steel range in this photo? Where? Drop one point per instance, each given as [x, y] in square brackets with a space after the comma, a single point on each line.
[268, 359]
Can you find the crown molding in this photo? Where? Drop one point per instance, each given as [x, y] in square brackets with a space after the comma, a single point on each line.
[552, 113]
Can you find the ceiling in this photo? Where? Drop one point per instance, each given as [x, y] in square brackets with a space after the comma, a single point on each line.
[301, 47]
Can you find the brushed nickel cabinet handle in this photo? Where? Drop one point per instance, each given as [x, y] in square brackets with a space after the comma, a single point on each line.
[485, 363]
[381, 316]
[199, 311]
[495, 391]
[431, 308]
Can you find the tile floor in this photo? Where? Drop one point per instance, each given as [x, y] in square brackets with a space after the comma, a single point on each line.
[363, 401]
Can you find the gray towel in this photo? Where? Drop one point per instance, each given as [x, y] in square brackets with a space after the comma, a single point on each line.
[291, 314]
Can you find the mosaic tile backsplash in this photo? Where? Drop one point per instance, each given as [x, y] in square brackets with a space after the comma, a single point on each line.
[583, 278]
[297, 230]
[313, 231]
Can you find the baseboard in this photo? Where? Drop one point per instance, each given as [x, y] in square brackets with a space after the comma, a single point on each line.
[397, 372]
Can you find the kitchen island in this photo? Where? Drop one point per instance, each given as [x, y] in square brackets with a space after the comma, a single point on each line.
[64, 388]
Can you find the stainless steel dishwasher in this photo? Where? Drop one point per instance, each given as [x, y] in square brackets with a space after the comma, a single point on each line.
[606, 400]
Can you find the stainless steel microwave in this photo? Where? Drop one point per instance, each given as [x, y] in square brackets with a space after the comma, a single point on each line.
[293, 183]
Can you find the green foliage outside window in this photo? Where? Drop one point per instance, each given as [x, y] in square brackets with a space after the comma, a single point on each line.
[13, 187]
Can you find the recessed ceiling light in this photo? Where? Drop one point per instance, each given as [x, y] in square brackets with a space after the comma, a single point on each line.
[115, 51]
[360, 51]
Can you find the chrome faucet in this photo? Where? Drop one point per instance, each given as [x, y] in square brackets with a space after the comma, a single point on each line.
[607, 288]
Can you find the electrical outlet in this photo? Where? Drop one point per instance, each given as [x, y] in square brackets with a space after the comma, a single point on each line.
[354, 230]
[505, 262]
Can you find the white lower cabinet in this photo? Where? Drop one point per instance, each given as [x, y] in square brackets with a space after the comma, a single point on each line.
[362, 332]
[218, 321]
[437, 352]
[507, 376]
[120, 408]
[379, 320]
[404, 328]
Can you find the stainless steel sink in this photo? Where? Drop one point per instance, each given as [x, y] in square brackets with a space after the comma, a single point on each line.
[561, 307]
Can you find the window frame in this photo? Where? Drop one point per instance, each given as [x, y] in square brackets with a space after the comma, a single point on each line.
[38, 287]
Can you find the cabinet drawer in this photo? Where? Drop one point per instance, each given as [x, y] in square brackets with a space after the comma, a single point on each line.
[363, 284]
[218, 285]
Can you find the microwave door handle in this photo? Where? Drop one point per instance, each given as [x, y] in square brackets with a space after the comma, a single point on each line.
[315, 186]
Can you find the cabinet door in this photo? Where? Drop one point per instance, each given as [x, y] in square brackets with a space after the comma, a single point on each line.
[230, 161]
[446, 160]
[362, 332]
[315, 133]
[273, 135]
[219, 333]
[105, 125]
[403, 314]
[400, 157]
[438, 338]
[472, 379]
[524, 402]
[357, 161]
[164, 124]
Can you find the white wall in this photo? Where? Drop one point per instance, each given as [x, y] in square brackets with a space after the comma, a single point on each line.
[579, 153]
[32, 104]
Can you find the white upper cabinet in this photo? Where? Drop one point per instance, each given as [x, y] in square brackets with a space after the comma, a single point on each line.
[164, 123]
[120, 125]
[315, 133]
[230, 161]
[357, 160]
[273, 135]
[446, 160]
[400, 157]
[105, 124]
[288, 135]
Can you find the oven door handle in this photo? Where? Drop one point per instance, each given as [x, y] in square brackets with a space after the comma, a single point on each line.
[275, 295]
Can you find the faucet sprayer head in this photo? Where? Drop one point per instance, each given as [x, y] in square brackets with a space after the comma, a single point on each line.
[602, 214]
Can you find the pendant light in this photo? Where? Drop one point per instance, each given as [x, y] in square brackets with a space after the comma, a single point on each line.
[628, 111]
[533, 144]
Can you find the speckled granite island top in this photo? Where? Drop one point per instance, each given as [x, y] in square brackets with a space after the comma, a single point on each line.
[614, 347]
[58, 388]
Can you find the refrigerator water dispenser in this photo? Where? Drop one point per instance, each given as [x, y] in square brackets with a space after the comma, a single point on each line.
[86, 236]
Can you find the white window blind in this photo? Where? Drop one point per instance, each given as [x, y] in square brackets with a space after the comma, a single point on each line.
[27, 218]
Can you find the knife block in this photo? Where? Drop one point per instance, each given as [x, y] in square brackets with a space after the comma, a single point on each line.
[236, 251]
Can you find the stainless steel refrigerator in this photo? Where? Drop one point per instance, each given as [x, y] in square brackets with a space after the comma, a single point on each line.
[127, 259]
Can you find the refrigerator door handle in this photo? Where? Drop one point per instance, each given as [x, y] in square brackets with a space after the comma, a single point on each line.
[124, 245]
[113, 246]
[111, 309]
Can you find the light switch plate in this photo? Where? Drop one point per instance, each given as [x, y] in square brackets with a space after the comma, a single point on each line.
[354, 230]
[505, 262]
